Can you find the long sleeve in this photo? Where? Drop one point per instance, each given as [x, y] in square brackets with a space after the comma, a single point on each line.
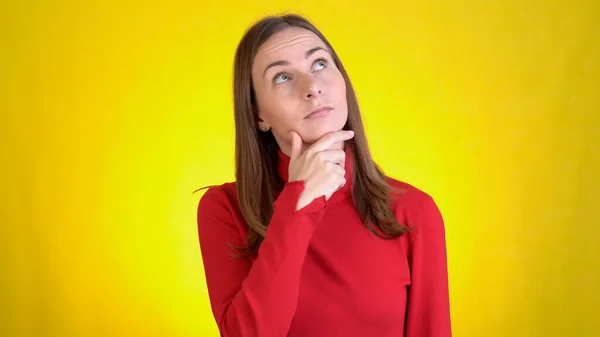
[260, 298]
[428, 309]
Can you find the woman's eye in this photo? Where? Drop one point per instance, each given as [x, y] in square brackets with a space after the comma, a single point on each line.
[320, 64]
[281, 78]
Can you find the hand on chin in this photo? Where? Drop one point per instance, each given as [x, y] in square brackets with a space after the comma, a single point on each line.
[313, 138]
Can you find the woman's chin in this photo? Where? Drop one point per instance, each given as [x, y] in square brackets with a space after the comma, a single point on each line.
[312, 136]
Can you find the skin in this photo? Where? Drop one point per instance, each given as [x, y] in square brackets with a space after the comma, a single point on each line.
[287, 92]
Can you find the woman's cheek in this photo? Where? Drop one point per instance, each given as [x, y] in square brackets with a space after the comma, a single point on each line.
[336, 80]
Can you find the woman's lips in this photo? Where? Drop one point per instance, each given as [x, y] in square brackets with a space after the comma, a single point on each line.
[319, 112]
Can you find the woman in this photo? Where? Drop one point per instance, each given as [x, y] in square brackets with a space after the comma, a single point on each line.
[313, 239]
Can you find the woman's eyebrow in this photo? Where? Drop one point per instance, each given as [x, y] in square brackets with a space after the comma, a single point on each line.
[285, 63]
[314, 50]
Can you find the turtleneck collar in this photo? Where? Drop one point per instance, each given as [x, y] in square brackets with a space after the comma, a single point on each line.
[346, 191]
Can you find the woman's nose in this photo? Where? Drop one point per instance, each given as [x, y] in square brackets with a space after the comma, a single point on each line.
[311, 88]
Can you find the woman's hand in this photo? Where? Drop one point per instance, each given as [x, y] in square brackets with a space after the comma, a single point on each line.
[320, 166]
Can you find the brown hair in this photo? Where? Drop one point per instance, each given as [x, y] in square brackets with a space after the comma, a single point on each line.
[256, 155]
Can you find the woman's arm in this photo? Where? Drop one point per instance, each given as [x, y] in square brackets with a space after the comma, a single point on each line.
[428, 311]
[257, 299]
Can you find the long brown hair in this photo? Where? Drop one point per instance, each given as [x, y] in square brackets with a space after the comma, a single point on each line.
[256, 156]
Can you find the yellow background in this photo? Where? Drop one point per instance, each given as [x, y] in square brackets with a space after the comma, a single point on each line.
[113, 112]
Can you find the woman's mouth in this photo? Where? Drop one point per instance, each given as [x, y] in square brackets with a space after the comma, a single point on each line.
[319, 112]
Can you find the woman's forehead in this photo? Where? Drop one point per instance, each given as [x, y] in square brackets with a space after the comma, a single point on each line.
[289, 37]
[286, 45]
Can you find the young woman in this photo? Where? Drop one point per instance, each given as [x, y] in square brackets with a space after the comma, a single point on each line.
[313, 239]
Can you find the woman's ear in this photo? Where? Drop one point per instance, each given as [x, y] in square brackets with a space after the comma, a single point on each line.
[262, 125]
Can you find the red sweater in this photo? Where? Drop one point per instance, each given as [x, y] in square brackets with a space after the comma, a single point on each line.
[320, 272]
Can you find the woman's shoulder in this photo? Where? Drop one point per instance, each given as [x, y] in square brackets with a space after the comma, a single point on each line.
[409, 202]
[407, 193]
[219, 206]
[223, 195]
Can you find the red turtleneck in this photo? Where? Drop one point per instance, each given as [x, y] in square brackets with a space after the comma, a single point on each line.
[321, 272]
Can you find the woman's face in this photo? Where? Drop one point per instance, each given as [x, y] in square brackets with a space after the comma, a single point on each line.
[293, 75]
